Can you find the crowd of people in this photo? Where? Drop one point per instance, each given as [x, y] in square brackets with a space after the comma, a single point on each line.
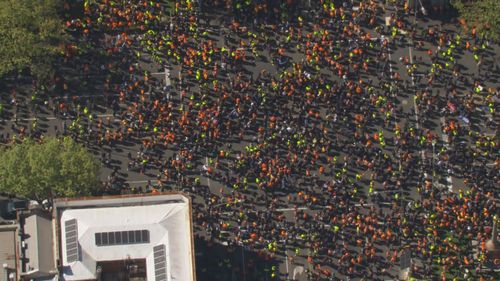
[299, 116]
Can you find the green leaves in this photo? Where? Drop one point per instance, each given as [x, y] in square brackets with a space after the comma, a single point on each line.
[56, 168]
[31, 32]
[482, 14]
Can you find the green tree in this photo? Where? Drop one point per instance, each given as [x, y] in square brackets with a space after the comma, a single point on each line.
[54, 168]
[483, 14]
[31, 36]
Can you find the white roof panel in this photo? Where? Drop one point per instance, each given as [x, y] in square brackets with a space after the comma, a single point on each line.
[168, 223]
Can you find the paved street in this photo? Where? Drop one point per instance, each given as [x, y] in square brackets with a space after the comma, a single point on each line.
[361, 142]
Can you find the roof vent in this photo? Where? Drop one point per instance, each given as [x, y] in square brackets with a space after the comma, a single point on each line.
[71, 230]
[160, 261]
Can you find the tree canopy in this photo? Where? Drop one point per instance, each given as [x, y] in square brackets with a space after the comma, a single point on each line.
[31, 35]
[483, 14]
[54, 168]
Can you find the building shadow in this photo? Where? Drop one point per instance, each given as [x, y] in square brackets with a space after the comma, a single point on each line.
[231, 262]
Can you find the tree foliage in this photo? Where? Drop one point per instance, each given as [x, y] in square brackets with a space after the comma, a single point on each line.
[483, 14]
[55, 168]
[31, 35]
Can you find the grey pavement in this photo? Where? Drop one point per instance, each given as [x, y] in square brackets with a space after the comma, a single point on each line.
[290, 204]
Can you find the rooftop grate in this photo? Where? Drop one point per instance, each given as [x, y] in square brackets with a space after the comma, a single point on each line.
[160, 261]
[71, 230]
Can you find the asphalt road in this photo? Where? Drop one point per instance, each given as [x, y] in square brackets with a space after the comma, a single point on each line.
[238, 261]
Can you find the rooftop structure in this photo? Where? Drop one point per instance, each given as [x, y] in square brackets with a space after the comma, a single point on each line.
[125, 238]
[8, 252]
[37, 246]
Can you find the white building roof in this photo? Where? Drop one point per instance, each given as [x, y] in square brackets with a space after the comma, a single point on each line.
[166, 219]
[40, 246]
